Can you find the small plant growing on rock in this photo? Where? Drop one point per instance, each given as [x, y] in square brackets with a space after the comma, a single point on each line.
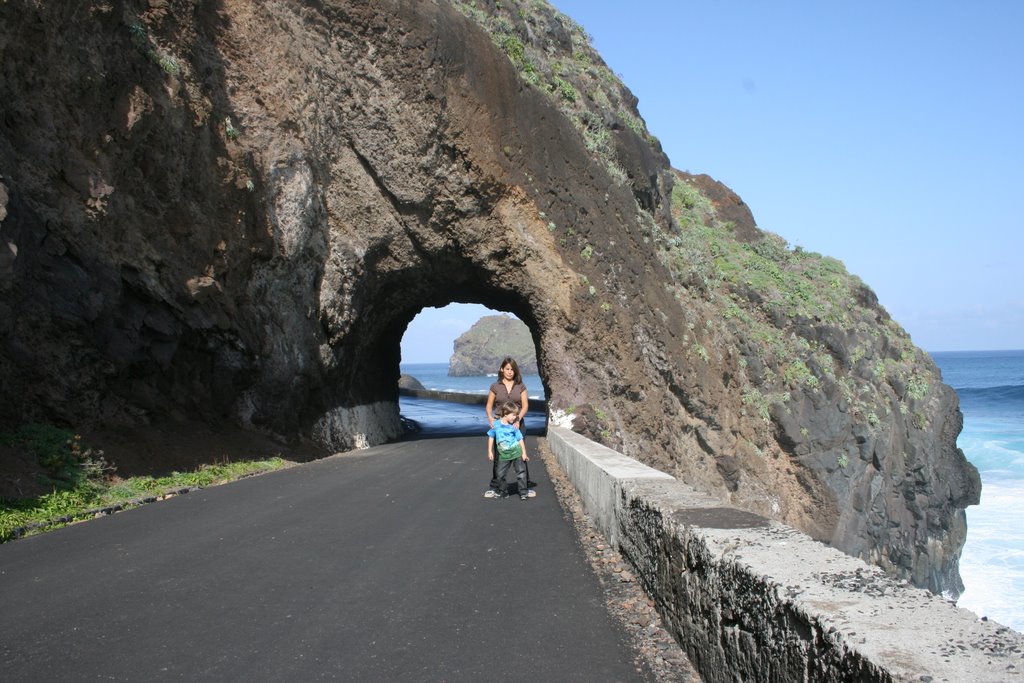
[514, 48]
[797, 373]
[917, 388]
[138, 33]
[564, 89]
[879, 369]
[756, 400]
[167, 63]
[140, 39]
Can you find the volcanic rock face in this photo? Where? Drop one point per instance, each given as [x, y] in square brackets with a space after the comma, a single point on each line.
[233, 210]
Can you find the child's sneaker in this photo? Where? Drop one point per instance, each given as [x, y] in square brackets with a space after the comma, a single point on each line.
[490, 493]
[524, 497]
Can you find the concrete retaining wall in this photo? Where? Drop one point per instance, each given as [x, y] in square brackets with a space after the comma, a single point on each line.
[750, 599]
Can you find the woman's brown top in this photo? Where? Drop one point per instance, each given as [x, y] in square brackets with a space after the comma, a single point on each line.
[502, 394]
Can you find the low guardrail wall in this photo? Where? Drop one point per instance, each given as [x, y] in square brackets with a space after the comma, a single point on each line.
[750, 599]
[537, 405]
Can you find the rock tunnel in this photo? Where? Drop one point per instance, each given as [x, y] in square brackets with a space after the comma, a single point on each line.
[362, 322]
[246, 236]
[371, 367]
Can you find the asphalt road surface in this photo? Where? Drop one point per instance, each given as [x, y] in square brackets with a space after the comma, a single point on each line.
[384, 564]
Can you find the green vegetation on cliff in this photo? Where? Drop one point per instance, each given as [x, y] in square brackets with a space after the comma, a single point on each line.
[812, 324]
[554, 54]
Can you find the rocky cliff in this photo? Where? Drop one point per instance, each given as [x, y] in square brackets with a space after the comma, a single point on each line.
[232, 210]
[480, 349]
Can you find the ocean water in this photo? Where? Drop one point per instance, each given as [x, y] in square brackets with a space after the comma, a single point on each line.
[435, 376]
[991, 389]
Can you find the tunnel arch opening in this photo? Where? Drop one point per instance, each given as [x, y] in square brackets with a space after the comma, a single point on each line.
[438, 284]
[446, 372]
[432, 334]
[360, 405]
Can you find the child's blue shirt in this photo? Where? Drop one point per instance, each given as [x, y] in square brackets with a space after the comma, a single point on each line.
[506, 438]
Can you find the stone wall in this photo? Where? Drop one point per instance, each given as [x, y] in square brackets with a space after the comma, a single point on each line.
[751, 599]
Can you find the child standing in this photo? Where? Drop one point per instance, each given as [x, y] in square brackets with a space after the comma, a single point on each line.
[511, 450]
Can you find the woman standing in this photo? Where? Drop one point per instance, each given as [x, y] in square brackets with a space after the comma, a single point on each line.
[509, 387]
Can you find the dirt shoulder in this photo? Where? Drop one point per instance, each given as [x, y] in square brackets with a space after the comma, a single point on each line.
[160, 449]
[155, 450]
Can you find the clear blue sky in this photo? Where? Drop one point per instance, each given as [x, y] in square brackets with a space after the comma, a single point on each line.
[889, 135]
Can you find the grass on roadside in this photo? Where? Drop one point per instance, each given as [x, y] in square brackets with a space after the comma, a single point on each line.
[82, 487]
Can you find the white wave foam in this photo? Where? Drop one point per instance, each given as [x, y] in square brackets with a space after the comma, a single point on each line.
[992, 562]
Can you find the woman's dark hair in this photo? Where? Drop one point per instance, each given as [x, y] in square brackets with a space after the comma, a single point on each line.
[517, 376]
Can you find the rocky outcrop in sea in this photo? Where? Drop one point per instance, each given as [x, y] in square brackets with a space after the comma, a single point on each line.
[480, 350]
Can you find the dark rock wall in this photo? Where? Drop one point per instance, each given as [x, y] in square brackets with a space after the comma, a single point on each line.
[233, 210]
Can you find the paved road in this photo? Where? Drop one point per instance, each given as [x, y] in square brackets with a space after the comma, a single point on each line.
[386, 564]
